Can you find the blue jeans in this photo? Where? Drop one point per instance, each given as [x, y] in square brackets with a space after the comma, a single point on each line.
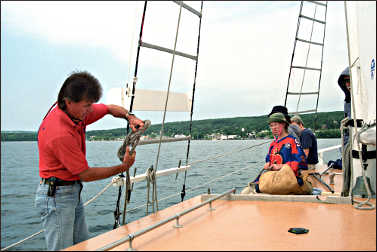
[63, 216]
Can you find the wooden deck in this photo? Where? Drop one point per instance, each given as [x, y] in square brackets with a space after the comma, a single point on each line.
[250, 225]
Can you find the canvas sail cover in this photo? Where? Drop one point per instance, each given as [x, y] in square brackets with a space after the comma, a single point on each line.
[150, 100]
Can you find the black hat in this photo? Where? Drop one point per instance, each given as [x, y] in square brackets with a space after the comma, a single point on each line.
[281, 109]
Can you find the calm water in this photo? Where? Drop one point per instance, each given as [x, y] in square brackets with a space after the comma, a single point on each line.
[19, 180]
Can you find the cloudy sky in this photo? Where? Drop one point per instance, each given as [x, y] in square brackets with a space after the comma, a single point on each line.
[244, 58]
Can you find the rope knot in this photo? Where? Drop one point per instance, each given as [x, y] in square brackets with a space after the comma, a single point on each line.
[117, 181]
[132, 139]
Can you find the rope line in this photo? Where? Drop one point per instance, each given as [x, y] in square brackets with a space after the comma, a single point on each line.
[98, 194]
[293, 54]
[154, 193]
[19, 242]
[183, 192]
[42, 230]
[228, 153]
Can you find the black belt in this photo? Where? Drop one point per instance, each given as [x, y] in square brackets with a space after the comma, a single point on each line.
[60, 182]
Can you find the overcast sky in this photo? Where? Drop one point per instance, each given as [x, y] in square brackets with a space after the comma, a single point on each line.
[244, 58]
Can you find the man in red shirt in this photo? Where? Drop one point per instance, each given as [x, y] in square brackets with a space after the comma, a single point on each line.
[62, 161]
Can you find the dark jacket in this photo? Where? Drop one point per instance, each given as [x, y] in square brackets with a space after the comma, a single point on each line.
[342, 84]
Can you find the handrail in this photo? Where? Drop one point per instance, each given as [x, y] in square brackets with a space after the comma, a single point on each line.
[329, 148]
[130, 237]
[120, 181]
[321, 151]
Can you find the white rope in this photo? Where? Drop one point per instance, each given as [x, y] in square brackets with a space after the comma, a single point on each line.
[19, 242]
[42, 230]
[98, 194]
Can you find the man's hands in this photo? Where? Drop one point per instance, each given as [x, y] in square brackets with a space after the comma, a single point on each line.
[273, 167]
[120, 112]
[135, 123]
[276, 167]
[266, 166]
[128, 160]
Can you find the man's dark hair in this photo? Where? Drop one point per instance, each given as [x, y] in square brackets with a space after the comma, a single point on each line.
[79, 86]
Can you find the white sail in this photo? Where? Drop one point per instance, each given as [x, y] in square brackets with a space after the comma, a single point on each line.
[361, 21]
[361, 36]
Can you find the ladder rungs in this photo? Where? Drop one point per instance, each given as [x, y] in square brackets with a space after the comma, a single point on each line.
[188, 8]
[303, 112]
[309, 42]
[307, 68]
[315, 2]
[315, 20]
[168, 50]
[306, 93]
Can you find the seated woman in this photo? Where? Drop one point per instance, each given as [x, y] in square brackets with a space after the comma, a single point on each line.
[284, 153]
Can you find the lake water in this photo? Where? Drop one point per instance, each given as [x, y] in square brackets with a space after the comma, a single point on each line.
[20, 177]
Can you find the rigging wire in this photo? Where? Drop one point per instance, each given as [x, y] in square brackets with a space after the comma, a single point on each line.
[166, 103]
[320, 74]
[132, 45]
[128, 192]
[293, 54]
[183, 192]
[306, 61]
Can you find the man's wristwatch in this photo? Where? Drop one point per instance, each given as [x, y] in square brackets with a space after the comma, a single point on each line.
[128, 114]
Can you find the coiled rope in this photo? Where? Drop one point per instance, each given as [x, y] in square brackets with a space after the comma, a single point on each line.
[132, 139]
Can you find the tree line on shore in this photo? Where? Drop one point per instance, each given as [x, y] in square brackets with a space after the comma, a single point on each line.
[324, 124]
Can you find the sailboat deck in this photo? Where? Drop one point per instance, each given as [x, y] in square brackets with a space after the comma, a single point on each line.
[249, 225]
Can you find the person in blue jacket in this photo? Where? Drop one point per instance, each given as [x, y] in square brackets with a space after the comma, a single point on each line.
[284, 149]
[308, 142]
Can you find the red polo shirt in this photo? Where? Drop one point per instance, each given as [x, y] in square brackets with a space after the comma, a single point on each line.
[61, 143]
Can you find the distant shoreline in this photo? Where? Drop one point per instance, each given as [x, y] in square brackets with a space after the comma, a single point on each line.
[327, 125]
